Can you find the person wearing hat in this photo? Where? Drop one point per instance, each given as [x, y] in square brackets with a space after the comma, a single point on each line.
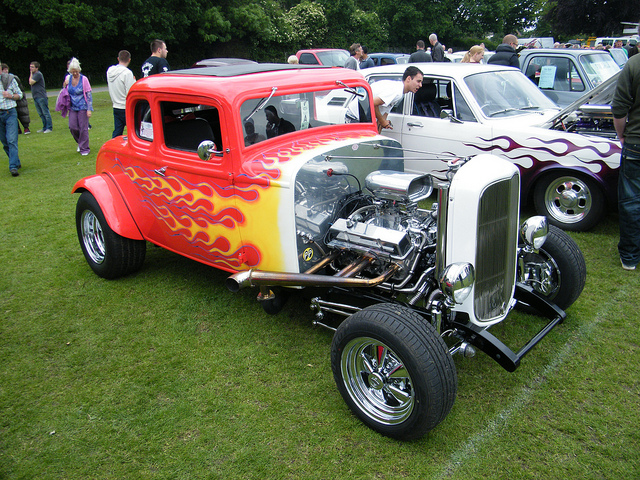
[252, 136]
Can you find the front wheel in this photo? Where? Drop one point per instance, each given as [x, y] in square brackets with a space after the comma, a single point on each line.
[393, 370]
[558, 271]
[569, 201]
[108, 254]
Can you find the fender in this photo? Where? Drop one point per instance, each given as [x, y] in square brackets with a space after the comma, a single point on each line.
[115, 210]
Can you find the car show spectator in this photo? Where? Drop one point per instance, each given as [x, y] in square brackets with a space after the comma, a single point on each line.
[625, 108]
[293, 60]
[81, 106]
[474, 55]
[437, 50]
[23, 104]
[420, 55]
[119, 81]
[353, 62]
[506, 53]
[365, 60]
[40, 99]
[157, 62]
[276, 125]
[11, 93]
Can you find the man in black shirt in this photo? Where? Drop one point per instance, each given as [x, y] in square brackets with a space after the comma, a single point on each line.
[157, 62]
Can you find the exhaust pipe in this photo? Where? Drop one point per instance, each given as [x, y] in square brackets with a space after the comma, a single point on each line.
[255, 278]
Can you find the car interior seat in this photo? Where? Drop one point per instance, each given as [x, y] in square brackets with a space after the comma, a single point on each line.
[187, 134]
[425, 104]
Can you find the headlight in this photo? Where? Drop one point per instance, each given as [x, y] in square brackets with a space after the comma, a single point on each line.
[457, 281]
[534, 231]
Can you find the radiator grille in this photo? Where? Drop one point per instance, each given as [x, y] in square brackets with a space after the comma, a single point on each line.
[496, 248]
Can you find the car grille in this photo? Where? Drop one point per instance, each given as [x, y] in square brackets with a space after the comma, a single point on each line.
[496, 248]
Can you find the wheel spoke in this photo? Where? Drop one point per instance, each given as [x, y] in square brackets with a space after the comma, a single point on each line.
[402, 396]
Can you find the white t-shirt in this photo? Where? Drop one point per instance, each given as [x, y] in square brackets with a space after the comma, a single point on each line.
[389, 91]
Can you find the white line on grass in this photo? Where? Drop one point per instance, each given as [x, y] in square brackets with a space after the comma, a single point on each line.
[501, 420]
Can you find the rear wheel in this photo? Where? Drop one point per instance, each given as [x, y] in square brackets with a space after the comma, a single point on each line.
[109, 255]
[393, 370]
[569, 201]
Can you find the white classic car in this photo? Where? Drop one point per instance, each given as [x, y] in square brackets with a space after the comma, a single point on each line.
[568, 159]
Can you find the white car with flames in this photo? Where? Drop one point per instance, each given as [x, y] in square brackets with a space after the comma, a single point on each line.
[568, 160]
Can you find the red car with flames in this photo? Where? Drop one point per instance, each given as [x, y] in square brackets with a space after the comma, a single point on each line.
[256, 169]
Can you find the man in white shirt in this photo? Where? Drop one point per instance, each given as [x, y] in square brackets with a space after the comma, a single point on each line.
[119, 80]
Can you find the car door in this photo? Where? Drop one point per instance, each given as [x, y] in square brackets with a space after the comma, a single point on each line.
[430, 140]
[190, 199]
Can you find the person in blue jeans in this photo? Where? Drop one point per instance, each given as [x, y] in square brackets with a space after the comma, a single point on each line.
[11, 93]
[625, 107]
[40, 99]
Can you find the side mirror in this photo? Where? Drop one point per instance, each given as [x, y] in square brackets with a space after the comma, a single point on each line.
[449, 114]
[207, 149]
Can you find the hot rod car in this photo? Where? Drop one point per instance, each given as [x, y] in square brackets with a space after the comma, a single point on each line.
[248, 169]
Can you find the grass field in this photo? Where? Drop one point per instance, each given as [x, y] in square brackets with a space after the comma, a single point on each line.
[165, 374]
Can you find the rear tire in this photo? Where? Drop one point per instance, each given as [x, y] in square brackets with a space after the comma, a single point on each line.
[570, 201]
[108, 254]
[394, 371]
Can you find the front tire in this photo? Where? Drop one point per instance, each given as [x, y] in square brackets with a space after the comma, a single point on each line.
[394, 371]
[108, 254]
[558, 271]
[570, 201]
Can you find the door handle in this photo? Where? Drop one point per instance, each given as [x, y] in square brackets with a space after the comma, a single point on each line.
[416, 125]
[160, 171]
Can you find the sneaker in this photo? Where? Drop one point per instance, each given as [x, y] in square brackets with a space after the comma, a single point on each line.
[627, 267]
[78, 149]
[48, 131]
[14, 172]
[40, 131]
[87, 153]
[27, 131]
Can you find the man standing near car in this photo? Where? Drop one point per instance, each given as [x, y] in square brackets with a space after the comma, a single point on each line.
[353, 62]
[506, 53]
[437, 50]
[157, 62]
[625, 107]
[119, 80]
[420, 55]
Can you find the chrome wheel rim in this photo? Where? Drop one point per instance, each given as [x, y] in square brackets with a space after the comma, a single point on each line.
[92, 237]
[377, 381]
[568, 199]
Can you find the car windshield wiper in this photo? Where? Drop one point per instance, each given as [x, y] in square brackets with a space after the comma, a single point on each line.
[521, 109]
[261, 104]
[349, 89]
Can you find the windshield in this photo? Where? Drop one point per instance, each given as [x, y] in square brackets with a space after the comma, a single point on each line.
[507, 93]
[274, 115]
[599, 67]
[333, 58]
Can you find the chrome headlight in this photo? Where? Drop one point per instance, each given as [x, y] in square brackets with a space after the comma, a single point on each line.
[457, 281]
[534, 231]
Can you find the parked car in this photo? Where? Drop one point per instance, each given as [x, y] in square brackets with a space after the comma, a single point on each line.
[565, 74]
[325, 206]
[619, 55]
[388, 58]
[329, 57]
[221, 62]
[569, 169]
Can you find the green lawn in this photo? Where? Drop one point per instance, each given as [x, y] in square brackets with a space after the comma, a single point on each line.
[167, 375]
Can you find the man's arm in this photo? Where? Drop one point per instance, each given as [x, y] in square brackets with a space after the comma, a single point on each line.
[382, 119]
[620, 124]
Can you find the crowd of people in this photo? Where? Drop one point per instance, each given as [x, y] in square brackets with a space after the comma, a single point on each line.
[75, 100]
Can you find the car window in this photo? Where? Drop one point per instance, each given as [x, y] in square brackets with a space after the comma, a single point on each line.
[333, 58]
[142, 120]
[462, 110]
[554, 73]
[186, 125]
[308, 59]
[599, 67]
[433, 97]
[271, 116]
